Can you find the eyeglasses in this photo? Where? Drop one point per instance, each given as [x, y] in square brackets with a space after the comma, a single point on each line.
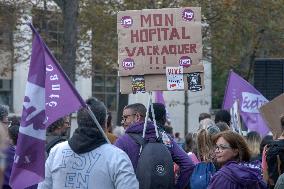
[222, 147]
[124, 117]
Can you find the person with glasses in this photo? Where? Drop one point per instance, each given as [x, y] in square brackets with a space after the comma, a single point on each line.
[232, 153]
[133, 120]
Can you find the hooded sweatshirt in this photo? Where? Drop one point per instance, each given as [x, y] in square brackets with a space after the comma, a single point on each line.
[86, 161]
[236, 176]
[127, 144]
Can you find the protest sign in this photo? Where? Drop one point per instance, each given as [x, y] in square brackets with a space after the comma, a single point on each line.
[271, 112]
[192, 81]
[150, 42]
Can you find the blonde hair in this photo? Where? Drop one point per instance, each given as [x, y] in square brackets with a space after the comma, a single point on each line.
[204, 146]
[253, 140]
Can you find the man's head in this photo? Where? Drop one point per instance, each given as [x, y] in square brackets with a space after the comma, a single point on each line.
[99, 110]
[133, 113]
[160, 113]
[203, 116]
[224, 116]
[4, 115]
[60, 127]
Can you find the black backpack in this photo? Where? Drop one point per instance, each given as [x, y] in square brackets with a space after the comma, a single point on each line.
[275, 161]
[155, 168]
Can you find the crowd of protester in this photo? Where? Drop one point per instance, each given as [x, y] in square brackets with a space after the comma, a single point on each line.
[228, 159]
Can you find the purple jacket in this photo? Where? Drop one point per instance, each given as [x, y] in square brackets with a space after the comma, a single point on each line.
[235, 176]
[9, 152]
[128, 145]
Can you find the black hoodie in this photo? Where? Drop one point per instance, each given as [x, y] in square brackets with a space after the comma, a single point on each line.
[86, 139]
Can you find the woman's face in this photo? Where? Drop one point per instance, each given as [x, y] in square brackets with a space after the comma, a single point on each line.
[224, 152]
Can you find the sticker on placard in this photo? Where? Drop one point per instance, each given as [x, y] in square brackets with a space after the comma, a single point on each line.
[126, 21]
[194, 82]
[187, 15]
[175, 78]
[185, 61]
[138, 84]
[128, 63]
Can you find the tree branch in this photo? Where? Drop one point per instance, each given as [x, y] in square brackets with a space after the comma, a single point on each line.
[60, 3]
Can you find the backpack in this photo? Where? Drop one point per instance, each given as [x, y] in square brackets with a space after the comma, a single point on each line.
[155, 168]
[275, 161]
[202, 175]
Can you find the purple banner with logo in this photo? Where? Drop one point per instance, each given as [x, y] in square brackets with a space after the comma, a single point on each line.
[250, 100]
[49, 96]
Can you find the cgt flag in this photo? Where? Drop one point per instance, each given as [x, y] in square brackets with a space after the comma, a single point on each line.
[250, 100]
[49, 96]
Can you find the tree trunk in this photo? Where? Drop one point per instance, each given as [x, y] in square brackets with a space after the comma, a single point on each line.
[70, 9]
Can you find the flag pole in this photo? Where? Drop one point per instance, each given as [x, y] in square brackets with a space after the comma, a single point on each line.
[97, 123]
[227, 84]
[147, 114]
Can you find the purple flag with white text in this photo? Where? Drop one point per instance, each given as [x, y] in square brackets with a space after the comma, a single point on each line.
[250, 100]
[49, 96]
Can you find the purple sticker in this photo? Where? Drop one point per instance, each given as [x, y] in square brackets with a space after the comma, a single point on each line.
[126, 21]
[128, 63]
[185, 61]
[187, 14]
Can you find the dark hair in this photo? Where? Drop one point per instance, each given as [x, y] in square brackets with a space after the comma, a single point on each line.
[236, 141]
[168, 129]
[177, 134]
[3, 111]
[266, 140]
[223, 115]
[282, 122]
[13, 132]
[99, 110]
[160, 113]
[203, 116]
[109, 125]
[56, 125]
[137, 108]
[15, 120]
[222, 126]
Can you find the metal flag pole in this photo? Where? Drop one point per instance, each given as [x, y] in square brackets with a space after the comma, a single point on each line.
[154, 118]
[147, 114]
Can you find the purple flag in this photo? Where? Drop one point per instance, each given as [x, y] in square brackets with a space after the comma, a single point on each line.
[49, 96]
[159, 97]
[250, 100]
